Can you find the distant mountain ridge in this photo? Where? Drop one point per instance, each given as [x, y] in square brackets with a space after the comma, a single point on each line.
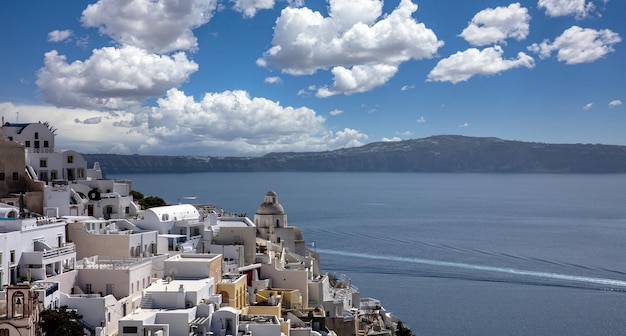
[442, 153]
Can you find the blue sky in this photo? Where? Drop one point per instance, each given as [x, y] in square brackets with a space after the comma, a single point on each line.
[248, 77]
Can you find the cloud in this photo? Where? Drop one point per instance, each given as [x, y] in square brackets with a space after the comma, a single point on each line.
[578, 45]
[615, 103]
[342, 139]
[160, 26]
[579, 8]
[249, 8]
[273, 80]
[407, 87]
[491, 26]
[111, 78]
[394, 139]
[587, 106]
[59, 35]
[89, 121]
[405, 133]
[463, 125]
[421, 119]
[335, 112]
[356, 41]
[232, 121]
[360, 78]
[464, 65]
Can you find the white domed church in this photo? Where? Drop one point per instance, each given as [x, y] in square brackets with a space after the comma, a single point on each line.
[271, 222]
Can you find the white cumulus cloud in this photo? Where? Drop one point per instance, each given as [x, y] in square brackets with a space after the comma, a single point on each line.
[466, 64]
[360, 78]
[394, 139]
[111, 78]
[578, 45]
[588, 106]
[495, 25]
[356, 41]
[335, 112]
[421, 119]
[59, 35]
[232, 121]
[160, 26]
[249, 8]
[578, 8]
[273, 80]
[615, 103]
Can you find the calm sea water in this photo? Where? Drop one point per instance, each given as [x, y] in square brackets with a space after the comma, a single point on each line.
[452, 254]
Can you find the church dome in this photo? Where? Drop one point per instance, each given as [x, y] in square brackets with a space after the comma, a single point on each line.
[271, 205]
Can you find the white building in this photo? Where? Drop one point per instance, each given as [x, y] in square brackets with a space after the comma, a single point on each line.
[180, 227]
[113, 238]
[57, 183]
[33, 248]
[105, 289]
[271, 222]
[176, 307]
[232, 236]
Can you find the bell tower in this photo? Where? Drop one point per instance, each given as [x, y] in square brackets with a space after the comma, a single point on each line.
[22, 310]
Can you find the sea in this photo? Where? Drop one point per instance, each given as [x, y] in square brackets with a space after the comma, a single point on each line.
[451, 254]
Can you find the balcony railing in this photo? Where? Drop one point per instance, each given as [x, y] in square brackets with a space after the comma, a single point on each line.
[67, 248]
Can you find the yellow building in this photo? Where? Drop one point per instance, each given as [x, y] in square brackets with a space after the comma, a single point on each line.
[234, 290]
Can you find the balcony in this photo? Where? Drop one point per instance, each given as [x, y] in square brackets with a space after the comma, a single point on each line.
[44, 254]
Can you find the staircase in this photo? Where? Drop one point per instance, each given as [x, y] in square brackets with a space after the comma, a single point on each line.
[146, 301]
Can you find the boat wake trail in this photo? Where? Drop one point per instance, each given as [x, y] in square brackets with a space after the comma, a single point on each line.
[585, 281]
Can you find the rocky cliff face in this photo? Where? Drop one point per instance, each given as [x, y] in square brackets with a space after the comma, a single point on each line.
[446, 153]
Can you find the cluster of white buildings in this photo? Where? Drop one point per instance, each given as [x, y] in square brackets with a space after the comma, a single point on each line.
[69, 237]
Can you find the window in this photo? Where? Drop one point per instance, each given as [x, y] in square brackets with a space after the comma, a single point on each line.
[36, 135]
[88, 288]
[46, 144]
[109, 289]
[129, 330]
[53, 175]
[1, 176]
[80, 172]
[12, 256]
[27, 144]
[43, 163]
[16, 176]
[37, 144]
[4, 332]
[70, 159]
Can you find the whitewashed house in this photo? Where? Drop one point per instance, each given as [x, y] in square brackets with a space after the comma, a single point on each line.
[33, 248]
[180, 227]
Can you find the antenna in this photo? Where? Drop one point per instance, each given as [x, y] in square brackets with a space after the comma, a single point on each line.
[17, 117]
